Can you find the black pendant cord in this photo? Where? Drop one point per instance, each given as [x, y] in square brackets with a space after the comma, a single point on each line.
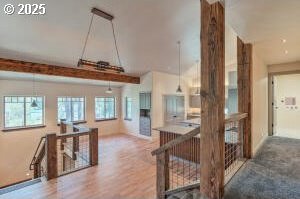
[87, 36]
[179, 60]
[115, 40]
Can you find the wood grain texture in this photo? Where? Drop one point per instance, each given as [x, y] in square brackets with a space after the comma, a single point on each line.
[93, 146]
[126, 170]
[162, 181]
[244, 54]
[51, 156]
[212, 100]
[44, 69]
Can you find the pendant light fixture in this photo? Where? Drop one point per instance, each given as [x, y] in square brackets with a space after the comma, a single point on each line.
[33, 103]
[179, 90]
[109, 90]
[101, 65]
[198, 78]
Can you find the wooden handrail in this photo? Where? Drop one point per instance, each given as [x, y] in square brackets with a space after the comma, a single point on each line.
[176, 141]
[33, 161]
[235, 117]
[73, 134]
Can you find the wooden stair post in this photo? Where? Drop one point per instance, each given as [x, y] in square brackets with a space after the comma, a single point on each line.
[51, 156]
[75, 144]
[162, 174]
[63, 130]
[244, 55]
[93, 146]
[212, 100]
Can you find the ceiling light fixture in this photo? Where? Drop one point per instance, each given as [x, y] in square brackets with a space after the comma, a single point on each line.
[198, 79]
[179, 90]
[33, 103]
[101, 65]
[283, 41]
[109, 90]
[286, 51]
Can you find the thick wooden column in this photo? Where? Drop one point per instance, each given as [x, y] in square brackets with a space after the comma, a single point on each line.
[244, 54]
[51, 156]
[212, 100]
[93, 146]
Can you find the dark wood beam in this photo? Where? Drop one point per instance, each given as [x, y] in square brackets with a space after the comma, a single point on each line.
[244, 55]
[212, 140]
[45, 69]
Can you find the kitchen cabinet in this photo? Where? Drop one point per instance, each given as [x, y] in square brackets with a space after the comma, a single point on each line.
[145, 100]
[145, 113]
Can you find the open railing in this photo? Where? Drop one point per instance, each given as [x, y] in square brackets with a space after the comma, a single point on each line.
[234, 143]
[178, 161]
[178, 158]
[75, 148]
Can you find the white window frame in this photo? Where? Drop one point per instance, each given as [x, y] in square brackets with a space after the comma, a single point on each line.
[72, 117]
[115, 110]
[24, 101]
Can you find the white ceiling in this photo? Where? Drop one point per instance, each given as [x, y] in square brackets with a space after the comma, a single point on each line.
[147, 32]
[265, 23]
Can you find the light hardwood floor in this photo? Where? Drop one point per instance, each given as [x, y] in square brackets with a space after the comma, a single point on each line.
[126, 170]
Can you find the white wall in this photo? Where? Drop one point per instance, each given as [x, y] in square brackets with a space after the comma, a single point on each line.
[286, 67]
[159, 84]
[17, 147]
[166, 84]
[287, 118]
[132, 91]
[259, 102]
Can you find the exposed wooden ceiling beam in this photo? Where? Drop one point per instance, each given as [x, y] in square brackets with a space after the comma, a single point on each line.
[44, 69]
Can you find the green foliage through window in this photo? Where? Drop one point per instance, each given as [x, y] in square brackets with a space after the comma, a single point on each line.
[18, 112]
[105, 108]
[71, 108]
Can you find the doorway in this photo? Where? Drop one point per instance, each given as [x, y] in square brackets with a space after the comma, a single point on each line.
[286, 105]
[174, 109]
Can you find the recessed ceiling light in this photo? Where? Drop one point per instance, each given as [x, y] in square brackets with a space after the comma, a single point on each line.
[283, 41]
[286, 51]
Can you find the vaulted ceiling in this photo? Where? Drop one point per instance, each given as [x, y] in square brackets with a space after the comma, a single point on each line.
[146, 30]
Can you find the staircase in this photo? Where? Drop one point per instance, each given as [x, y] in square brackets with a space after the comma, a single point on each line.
[73, 149]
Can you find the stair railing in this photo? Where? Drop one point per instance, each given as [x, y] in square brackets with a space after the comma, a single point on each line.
[177, 163]
[60, 154]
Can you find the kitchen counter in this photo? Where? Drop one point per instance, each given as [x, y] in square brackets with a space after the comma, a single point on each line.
[195, 121]
[177, 129]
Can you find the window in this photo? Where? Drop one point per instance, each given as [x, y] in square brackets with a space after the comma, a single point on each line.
[71, 108]
[128, 108]
[105, 108]
[18, 112]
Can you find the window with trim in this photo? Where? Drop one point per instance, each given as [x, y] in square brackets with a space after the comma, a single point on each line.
[71, 109]
[128, 108]
[105, 108]
[20, 113]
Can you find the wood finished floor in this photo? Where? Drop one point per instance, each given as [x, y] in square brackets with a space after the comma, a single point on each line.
[126, 170]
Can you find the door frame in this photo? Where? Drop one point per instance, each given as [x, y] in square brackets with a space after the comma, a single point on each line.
[271, 97]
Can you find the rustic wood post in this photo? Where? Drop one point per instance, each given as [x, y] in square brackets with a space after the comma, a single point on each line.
[212, 100]
[63, 130]
[93, 146]
[75, 144]
[162, 174]
[51, 156]
[244, 54]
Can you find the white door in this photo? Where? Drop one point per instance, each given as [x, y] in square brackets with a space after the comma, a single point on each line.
[286, 119]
